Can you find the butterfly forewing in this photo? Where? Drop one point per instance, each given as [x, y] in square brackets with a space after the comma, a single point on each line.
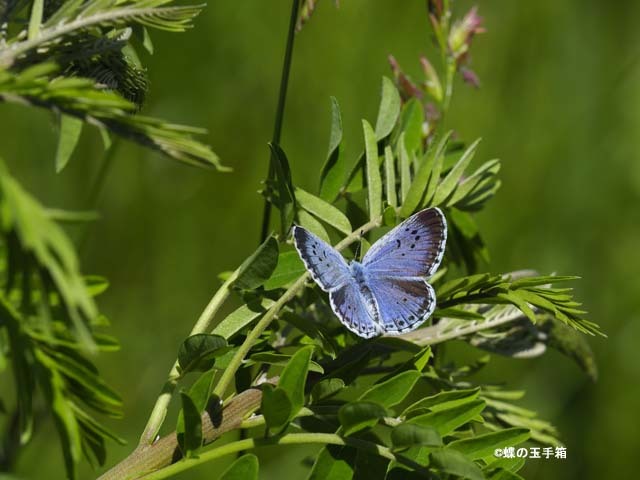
[326, 265]
[412, 249]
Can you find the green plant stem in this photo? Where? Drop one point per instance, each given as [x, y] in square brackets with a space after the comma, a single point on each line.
[203, 325]
[265, 321]
[288, 439]
[282, 97]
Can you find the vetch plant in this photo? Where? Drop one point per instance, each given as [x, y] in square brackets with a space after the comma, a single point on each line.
[280, 369]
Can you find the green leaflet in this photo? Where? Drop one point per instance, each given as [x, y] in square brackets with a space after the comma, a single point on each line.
[389, 109]
[449, 183]
[242, 317]
[294, 377]
[481, 446]
[443, 400]
[256, 269]
[198, 352]
[374, 181]
[244, 468]
[455, 463]
[286, 199]
[356, 416]
[408, 435]
[276, 408]
[392, 391]
[35, 19]
[390, 177]
[70, 130]
[427, 176]
[447, 420]
[310, 222]
[288, 269]
[189, 424]
[334, 170]
[326, 388]
[405, 169]
[323, 210]
[411, 124]
[190, 438]
[334, 462]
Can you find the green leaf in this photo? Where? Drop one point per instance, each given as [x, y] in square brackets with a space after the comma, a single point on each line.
[482, 446]
[392, 391]
[200, 391]
[374, 182]
[190, 439]
[310, 222]
[334, 170]
[411, 124]
[447, 420]
[443, 400]
[483, 175]
[333, 462]
[405, 169]
[286, 196]
[279, 360]
[455, 463]
[244, 468]
[408, 435]
[389, 109]
[356, 416]
[198, 352]
[242, 317]
[449, 183]
[35, 19]
[256, 269]
[288, 269]
[294, 378]
[323, 210]
[428, 174]
[276, 408]
[390, 177]
[70, 130]
[326, 388]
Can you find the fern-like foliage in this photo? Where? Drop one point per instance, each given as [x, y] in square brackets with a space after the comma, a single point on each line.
[78, 59]
[48, 324]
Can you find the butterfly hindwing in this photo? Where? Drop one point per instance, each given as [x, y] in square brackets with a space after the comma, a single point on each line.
[403, 304]
[354, 310]
[412, 249]
[326, 265]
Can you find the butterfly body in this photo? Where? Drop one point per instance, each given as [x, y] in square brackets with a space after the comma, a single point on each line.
[387, 292]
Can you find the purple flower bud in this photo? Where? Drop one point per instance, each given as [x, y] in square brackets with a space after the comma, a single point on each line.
[470, 77]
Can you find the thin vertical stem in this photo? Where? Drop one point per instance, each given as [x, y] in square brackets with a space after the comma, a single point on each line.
[282, 97]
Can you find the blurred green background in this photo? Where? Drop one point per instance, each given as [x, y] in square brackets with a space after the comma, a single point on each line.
[559, 104]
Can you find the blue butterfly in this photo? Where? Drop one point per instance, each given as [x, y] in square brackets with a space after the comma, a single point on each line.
[388, 291]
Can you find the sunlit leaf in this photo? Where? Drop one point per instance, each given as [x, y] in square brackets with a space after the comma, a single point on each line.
[244, 468]
[198, 352]
[374, 181]
[389, 109]
[256, 269]
[334, 169]
[70, 130]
